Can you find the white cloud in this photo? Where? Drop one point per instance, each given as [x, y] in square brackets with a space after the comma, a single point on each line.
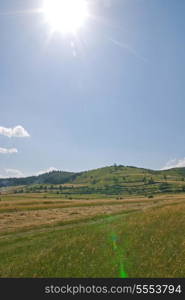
[17, 131]
[46, 171]
[12, 173]
[8, 151]
[174, 163]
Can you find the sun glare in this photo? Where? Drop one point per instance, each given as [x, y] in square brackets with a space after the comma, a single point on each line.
[66, 16]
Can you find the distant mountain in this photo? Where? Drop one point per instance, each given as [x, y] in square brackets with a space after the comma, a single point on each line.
[54, 177]
[112, 175]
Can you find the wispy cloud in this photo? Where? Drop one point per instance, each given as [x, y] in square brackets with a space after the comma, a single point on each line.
[46, 171]
[8, 151]
[17, 131]
[174, 163]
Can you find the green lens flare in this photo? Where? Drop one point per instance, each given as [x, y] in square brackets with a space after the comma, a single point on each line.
[123, 274]
[119, 253]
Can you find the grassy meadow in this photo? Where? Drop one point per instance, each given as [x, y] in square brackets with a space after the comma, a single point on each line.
[50, 235]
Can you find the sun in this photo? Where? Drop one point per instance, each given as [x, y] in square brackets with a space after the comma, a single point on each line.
[66, 16]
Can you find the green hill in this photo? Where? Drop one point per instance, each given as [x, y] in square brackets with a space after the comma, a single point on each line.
[112, 180]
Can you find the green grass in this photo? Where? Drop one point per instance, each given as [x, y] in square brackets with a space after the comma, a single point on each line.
[149, 244]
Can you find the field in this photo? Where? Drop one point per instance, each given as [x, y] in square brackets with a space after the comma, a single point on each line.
[48, 235]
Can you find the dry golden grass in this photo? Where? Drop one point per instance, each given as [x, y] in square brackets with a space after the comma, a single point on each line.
[25, 211]
[28, 219]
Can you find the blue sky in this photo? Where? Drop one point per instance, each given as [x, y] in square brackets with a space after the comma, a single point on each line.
[119, 99]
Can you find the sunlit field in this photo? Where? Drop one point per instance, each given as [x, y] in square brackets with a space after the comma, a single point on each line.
[52, 236]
